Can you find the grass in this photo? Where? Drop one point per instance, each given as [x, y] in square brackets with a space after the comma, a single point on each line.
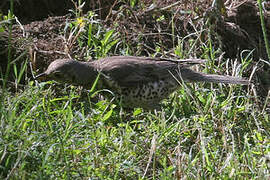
[206, 131]
[203, 131]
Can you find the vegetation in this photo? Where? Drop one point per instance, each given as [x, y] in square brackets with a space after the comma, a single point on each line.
[203, 131]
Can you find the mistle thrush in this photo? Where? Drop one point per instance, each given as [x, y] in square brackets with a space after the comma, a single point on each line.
[141, 82]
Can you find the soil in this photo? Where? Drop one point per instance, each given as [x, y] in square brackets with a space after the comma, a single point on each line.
[35, 10]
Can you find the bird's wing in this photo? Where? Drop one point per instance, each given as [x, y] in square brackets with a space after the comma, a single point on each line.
[133, 71]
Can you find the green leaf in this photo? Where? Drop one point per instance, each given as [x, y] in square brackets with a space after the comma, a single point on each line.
[107, 37]
[107, 115]
[137, 111]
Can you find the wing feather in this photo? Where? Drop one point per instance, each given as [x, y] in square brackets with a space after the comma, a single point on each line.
[131, 71]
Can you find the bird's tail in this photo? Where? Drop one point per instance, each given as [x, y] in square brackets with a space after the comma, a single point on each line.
[191, 75]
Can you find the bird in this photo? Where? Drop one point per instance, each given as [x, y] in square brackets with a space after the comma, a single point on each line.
[139, 82]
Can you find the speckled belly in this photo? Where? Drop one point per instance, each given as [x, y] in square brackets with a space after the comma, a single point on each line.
[147, 95]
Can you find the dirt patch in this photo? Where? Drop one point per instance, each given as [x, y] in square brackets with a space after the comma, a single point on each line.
[41, 39]
[36, 10]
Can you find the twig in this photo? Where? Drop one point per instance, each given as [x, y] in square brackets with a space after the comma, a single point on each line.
[152, 151]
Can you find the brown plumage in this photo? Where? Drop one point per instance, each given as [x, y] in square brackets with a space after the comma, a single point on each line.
[141, 82]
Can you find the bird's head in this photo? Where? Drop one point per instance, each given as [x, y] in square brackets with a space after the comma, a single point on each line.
[61, 70]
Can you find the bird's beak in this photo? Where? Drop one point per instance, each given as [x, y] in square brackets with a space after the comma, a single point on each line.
[41, 76]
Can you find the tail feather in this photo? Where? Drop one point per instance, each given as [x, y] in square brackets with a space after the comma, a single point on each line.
[190, 75]
[224, 79]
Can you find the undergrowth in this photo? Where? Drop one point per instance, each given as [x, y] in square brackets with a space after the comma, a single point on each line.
[203, 131]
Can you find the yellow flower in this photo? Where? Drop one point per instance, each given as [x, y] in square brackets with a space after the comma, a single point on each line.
[80, 22]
